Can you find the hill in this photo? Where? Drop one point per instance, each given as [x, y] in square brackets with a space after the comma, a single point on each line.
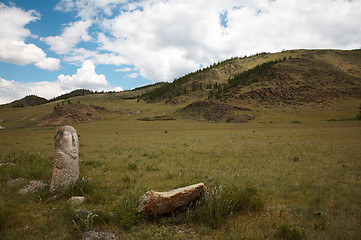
[312, 79]
[75, 93]
[291, 172]
[291, 78]
[295, 75]
[27, 101]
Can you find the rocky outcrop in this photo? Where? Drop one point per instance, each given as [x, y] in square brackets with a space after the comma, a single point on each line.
[159, 203]
[66, 163]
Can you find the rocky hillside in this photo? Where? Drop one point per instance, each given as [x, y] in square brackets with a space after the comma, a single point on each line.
[290, 78]
[287, 78]
[315, 77]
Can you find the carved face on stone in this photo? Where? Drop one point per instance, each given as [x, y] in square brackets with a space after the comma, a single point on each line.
[66, 140]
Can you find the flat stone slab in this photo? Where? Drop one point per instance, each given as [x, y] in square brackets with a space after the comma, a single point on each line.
[159, 203]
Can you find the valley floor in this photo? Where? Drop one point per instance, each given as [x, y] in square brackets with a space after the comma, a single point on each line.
[307, 174]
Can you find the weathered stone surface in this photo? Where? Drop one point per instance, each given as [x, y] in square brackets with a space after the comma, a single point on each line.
[76, 200]
[32, 187]
[93, 235]
[66, 163]
[160, 203]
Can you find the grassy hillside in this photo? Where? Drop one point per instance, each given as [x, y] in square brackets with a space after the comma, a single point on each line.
[297, 75]
[290, 164]
[27, 101]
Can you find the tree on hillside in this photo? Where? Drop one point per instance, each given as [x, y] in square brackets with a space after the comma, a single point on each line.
[359, 113]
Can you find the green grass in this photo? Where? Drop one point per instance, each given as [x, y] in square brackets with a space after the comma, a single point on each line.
[255, 187]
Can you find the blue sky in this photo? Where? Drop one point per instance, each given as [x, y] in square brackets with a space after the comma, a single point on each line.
[48, 48]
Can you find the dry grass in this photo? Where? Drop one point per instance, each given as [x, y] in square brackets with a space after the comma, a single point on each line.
[308, 175]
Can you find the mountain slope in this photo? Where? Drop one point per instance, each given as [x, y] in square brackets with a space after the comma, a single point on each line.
[306, 76]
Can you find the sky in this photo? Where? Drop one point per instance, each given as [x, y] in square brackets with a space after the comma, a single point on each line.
[48, 48]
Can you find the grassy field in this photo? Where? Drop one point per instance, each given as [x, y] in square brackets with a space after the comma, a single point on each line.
[304, 171]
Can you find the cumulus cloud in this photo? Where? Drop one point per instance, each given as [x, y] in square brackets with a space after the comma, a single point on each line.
[71, 36]
[50, 64]
[85, 77]
[166, 39]
[13, 34]
[11, 90]
[18, 52]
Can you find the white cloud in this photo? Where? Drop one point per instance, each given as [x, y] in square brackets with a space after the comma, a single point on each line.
[18, 52]
[12, 90]
[13, 20]
[71, 36]
[85, 77]
[50, 64]
[166, 39]
[13, 34]
[133, 75]
[88, 9]
[124, 70]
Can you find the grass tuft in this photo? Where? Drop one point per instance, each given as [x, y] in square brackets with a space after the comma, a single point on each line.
[26, 165]
[83, 186]
[217, 203]
[287, 232]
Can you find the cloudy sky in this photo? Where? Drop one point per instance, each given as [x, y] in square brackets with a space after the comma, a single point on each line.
[48, 48]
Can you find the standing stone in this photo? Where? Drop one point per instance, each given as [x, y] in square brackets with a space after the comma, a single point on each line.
[160, 203]
[66, 163]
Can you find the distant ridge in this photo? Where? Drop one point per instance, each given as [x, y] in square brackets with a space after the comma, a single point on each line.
[31, 100]
[75, 93]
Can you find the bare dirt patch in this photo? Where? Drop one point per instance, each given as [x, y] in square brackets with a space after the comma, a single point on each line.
[74, 113]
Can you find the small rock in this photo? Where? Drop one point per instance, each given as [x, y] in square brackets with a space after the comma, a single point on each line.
[93, 235]
[160, 203]
[76, 200]
[33, 186]
[317, 213]
[15, 181]
[7, 164]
